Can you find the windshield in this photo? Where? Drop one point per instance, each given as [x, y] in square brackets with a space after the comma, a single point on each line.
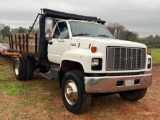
[89, 29]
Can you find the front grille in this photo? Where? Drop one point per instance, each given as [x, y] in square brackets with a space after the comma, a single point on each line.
[125, 58]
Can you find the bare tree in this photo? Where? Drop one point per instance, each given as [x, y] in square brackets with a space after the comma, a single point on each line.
[1, 26]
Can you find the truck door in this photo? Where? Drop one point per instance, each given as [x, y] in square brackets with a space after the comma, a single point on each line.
[60, 42]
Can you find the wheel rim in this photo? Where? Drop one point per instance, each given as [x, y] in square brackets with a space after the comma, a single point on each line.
[16, 69]
[71, 92]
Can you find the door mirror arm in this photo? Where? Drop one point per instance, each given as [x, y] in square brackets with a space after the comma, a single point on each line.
[48, 37]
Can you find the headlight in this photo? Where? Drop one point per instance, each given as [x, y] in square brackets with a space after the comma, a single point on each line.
[95, 62]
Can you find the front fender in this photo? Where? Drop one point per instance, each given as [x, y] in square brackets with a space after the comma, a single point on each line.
[83, 57]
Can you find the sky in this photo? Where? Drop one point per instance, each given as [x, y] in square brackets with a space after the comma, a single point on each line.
[140, 16]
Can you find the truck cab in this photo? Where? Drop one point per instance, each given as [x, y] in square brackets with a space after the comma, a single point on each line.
[108, 65]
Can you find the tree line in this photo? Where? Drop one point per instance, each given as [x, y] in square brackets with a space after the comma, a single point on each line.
[124, 34]
[7, 30]
[121, 33]
[151, 41]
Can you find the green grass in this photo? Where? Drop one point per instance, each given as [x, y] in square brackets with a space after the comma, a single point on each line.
[11, 88]
[37, 94]
[156, 55]
[1, 106]
[4, 76]
[42, 106]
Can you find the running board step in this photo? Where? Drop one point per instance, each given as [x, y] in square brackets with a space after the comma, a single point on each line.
[54, 73]
[47, 76]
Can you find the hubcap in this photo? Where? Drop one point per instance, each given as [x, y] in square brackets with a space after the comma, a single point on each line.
[71, 92]
[16, 69]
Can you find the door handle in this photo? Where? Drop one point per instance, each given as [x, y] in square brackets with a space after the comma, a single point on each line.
[60, 40]
[50, 43]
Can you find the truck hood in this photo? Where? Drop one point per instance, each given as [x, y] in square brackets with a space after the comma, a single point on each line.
[86, 42]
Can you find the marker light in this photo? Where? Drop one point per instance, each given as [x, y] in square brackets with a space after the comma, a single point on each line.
[93, 49]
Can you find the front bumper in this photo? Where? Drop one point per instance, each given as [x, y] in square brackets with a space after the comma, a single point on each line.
[116, 83]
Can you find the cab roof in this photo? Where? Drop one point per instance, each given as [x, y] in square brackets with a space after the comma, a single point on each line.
[63, 15]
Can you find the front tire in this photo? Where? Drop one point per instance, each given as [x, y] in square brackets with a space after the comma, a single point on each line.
[74, 97]
[133, 95]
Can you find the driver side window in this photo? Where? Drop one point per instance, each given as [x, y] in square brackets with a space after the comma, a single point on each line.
[61, 31]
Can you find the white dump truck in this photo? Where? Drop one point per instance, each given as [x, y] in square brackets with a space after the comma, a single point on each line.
[84, 56]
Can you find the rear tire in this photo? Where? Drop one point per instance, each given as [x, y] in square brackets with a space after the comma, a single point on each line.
[74, 97]
[30, 68]
[133, 95]
[20, 68]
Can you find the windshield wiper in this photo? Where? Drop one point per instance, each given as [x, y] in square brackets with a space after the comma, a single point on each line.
[103, 35]
[81, 34]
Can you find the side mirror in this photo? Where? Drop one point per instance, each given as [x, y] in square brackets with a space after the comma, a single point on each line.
[49, 28]
[117, 33]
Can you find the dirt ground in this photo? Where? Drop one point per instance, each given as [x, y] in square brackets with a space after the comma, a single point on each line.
[40, 99]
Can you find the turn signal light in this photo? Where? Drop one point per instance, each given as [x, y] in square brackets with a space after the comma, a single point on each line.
[148, 50]
[93, 49]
